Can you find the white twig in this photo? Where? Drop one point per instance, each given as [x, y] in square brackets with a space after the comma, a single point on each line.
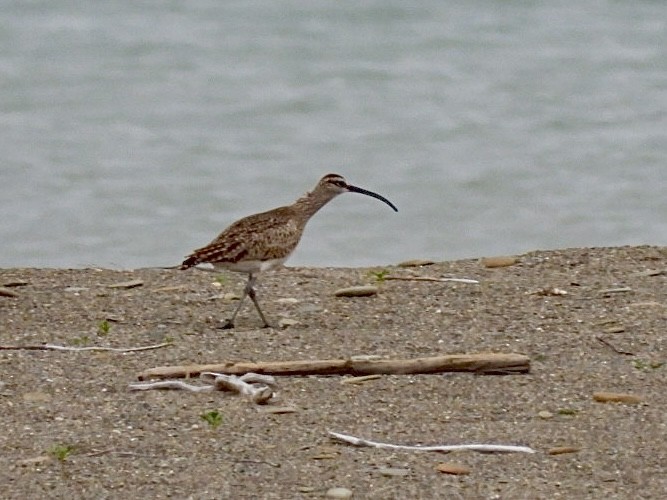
[113, 349]
[170, 384]
[246, 379]
[429, 278]
[54, 347]
[485, 448]
[258, 387]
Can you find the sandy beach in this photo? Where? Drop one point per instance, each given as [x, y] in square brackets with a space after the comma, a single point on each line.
[590, 320]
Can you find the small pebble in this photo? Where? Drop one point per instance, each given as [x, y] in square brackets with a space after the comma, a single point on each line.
[415, 263]
[279, 410]
[503, 261]
[393, 471]
[545, 415]
[360, 380]
[560, 450]
[357, 291]
[615, 329]
[609, 291]
[127, 284]
[616, 397]
[287, 300]
[285, 322]
[339, 493]
[11, 283]
[454, 469]
[6, 292]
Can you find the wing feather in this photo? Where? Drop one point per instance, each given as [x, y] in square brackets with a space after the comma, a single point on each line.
[265, 236]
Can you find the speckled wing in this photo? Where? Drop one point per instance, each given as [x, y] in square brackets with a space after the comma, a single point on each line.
[260, 237]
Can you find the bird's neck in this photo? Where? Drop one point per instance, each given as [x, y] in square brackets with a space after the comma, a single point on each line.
[310, 203]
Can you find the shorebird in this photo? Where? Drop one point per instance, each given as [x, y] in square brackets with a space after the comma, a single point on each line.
[264, 241]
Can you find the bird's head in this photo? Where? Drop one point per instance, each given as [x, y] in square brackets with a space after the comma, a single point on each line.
[335, 184]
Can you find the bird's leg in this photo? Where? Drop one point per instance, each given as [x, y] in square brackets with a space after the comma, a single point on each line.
[250, 290]
[229, 324]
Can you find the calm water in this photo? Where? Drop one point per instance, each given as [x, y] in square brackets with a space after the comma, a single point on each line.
[133, 132]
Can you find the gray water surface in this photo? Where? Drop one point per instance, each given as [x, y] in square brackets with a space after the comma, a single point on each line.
[133, 132]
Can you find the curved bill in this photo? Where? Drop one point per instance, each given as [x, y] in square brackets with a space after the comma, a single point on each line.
[355, 189]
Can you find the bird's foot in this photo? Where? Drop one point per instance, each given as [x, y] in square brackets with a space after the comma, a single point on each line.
[227, 325]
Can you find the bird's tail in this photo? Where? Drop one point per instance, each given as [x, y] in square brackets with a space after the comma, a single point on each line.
[189, 262]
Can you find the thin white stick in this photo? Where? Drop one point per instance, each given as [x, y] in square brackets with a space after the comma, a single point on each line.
[258, 387]
[169, 384]
[485, 448]
[55, 347]
[113, 349]
[428, 278]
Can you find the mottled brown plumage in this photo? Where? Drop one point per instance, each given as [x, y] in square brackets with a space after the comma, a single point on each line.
[264, 241]
[259, 237]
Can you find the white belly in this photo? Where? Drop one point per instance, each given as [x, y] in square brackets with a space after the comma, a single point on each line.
[250, 266]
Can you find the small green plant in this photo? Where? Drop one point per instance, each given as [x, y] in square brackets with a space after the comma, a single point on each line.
[568, 411]
[212, 417]
[82, 340]
[379, 276]
[646, 366]
[222, 279]
[61, 451]
[103, 328]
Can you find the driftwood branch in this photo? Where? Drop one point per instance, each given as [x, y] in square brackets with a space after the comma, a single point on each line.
[486, 363]
[259, 388]
[54, 347]
[484, 448]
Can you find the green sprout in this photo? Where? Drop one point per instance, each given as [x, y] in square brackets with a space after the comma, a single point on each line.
[567, 411]
[82, 340]
[61, 451]
[646, 366]
[103, 328]
[212, 418]
[379, 276]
